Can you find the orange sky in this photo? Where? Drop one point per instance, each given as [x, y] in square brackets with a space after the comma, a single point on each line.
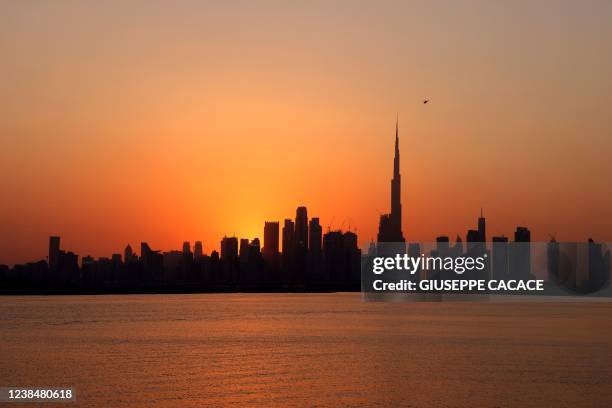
[164, 122]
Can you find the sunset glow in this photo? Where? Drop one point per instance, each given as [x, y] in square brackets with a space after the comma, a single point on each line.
[168, 124]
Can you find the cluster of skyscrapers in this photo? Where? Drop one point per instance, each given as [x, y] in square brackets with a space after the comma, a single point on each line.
[309, 260]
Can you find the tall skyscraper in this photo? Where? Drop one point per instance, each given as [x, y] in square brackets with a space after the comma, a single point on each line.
[145, 251]
[128, 253]
[187, 261]
[186, 248]
[271, 235]
[482, 233]
[341, 258]
[243, 252]
[520, 254]
[255, 245]
[229, 248]
[146, 255]
[288, 236]
[301, 227]
[315, 241]
[152, 261]
[476, 238]
[390, 226]
[522, 234]
[54, 253]
[315, 237]
[288, 252]
[229, 261]
[198, 252]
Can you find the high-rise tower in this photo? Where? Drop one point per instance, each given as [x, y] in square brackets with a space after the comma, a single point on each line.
[390, 226]
[270, 248]
[301, 228]
[54, 253]
[482, 228]
[396, 204]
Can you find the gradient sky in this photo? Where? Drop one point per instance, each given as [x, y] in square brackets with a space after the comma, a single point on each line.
[165, 121]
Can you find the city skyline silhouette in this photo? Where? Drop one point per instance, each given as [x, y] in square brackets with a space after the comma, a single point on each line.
[300, 256]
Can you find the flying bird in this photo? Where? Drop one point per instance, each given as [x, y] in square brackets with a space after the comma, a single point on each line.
[425, 101]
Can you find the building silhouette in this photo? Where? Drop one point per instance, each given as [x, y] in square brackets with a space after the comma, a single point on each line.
[315, 242]
[271, 253]
[287, 261]
[390, 225]
[342, 259]
[251, 274]
[229, 262]
[54, 253]
[315, 236]
[152, 263]
[271, 235]
[477, 247]
[243, 251]
[299, 262]
[482, 229]
[198, 250]
[128, 254]
[301, 227]
[520, 254]
[288, 236]
[229, 248]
